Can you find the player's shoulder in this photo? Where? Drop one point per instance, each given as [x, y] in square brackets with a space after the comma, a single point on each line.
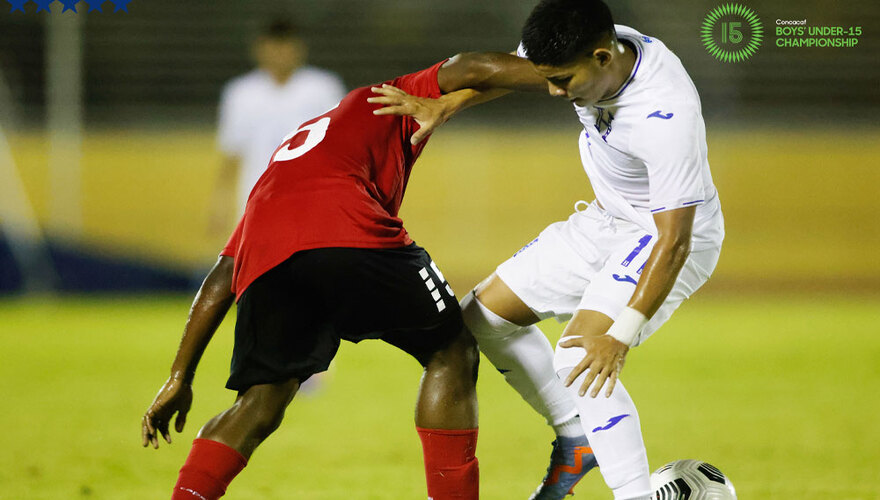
[318, 75]
[648, 46]
[656, 65]
[623, 30]
[660, 77]
[252, 81]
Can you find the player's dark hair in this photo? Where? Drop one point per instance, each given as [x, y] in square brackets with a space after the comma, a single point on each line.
[559, 31]
[279, 28]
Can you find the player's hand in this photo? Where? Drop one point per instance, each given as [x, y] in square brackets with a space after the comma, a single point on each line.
[428, 113]
[603, 362]
[174, 397]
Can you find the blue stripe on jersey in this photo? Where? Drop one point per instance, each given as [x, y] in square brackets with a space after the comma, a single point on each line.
[683, 205]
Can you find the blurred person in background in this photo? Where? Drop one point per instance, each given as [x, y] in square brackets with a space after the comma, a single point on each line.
[259, 108]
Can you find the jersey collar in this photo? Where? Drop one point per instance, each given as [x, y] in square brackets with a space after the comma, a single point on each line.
[632, 75]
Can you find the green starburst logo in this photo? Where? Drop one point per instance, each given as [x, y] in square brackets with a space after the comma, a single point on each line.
[732, 32]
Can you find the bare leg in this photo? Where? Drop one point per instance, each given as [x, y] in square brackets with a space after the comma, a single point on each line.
[446, 419]
[226, 442]
[447, 395]
[256, 413]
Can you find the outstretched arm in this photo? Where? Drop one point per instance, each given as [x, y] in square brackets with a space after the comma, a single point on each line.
[209, 307]
[466, 80]
[484, 71]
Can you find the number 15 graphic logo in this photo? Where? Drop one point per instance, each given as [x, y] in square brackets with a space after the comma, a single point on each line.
[732, 32]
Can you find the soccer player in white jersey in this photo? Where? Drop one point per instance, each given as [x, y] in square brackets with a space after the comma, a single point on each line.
[619, 266]
[259, 108]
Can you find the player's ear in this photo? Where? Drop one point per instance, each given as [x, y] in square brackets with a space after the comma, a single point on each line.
[602, 56]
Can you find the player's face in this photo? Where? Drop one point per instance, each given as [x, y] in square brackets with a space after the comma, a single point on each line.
[583, 81]
[279, 55]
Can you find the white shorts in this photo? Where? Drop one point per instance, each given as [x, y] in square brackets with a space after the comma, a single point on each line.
[593, 261]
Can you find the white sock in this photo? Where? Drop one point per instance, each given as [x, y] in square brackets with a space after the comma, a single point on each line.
[569, 428]
[612, 426]
[525, 357]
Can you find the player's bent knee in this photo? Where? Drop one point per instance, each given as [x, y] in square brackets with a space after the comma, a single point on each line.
[466, 351]
[264, 405]
[459, 360]
[470, 354]
[482, 322]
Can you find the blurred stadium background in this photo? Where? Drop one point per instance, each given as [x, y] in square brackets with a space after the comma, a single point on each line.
[107, 162]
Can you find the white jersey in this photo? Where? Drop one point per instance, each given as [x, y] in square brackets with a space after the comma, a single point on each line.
[644, 148]
[256, 113]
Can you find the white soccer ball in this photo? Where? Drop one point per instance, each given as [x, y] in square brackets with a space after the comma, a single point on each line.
[691, 480]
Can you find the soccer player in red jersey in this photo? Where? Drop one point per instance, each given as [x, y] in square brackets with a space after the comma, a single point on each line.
[321, 255]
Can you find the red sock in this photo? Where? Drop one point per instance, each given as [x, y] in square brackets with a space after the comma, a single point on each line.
[208, 470]
[451, 468]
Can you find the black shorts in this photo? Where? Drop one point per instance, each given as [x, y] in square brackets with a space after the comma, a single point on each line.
[291, 319]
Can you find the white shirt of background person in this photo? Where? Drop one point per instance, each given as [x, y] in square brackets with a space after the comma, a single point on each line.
[258, 109]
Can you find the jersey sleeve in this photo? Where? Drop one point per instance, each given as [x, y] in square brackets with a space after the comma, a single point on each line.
[230, 136]
[668, 142]
[421, 83]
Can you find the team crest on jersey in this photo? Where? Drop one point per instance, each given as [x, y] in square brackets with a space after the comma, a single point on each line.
[603, 122]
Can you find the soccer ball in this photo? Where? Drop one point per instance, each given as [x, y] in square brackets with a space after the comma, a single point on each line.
[691, 480]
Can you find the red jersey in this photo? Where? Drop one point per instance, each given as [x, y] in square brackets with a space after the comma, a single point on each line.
[336, 181]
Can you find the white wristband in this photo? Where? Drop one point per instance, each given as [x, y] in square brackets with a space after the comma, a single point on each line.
[627, 326]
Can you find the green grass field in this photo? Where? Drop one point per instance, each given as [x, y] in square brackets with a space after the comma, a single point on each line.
[780, 393]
